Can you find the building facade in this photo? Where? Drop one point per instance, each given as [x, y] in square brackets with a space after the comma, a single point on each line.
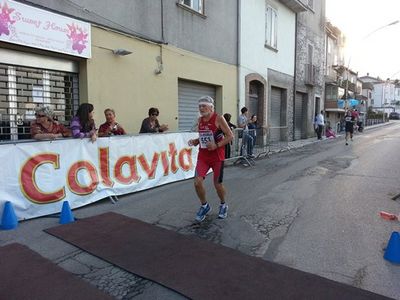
[143, 54]
[336, 74]
[310, 66]
[266, 62]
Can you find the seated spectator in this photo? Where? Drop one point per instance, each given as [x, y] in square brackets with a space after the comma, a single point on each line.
[82, 125]
[151, 124]
[110, 127]
[44, 127]
[329, 133]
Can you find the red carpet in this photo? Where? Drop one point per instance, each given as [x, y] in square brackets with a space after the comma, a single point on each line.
[194, 267]
[25, 275]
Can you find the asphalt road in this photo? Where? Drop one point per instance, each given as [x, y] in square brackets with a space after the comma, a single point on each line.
[313, 208]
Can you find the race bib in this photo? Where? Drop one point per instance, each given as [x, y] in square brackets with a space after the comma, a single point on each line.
[205, 136]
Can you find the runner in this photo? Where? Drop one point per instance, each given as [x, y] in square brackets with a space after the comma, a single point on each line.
[349, 119]
[214, 134]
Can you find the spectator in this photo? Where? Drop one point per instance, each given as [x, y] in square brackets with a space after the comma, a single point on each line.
[320, 122]
[110, 127]
[248, 140]
[253, 126]
[349, 119]
[228, 146]
[330, 134]
[82, 125]
[44, 127]
[151, 124]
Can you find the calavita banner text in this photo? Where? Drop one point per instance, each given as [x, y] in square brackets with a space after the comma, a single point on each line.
[39, 176]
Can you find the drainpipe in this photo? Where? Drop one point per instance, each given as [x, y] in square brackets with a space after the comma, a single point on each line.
[238, 53]
[162, 21]
[294, 78]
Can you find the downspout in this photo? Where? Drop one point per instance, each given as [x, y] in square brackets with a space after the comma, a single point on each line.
[294, 78]
[238, 53]
[159, 59]
[162, 21]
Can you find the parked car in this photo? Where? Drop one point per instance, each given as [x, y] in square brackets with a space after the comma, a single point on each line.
[394, 116]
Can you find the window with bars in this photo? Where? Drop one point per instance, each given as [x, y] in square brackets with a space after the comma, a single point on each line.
[22, 89]
[196, 5]
[271, 17]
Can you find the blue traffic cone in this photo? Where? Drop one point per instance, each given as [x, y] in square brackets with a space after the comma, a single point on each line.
[9, 219]
[66, 214]
[392, 252]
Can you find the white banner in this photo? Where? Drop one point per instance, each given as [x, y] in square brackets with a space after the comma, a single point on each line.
[39, 176]
[26, 25]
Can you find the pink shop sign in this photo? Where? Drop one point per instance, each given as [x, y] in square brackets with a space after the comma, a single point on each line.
[25, 25]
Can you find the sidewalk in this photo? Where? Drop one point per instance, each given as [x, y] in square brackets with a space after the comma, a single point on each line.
[304, 142]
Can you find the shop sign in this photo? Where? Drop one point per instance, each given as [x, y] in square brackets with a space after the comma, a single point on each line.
[29, 26]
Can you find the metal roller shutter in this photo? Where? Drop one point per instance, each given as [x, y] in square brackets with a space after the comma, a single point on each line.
[299, 116]
[276, 103]
[188, 94]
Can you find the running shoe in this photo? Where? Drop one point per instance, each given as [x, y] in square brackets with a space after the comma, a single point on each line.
[203, 211]
[223, 211]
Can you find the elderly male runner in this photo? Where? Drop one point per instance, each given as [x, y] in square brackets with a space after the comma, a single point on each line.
[214, 134]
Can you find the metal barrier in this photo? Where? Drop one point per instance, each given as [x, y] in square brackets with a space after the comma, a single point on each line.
[247, 145]
[370, 122]
[278, 139]
[239, 149]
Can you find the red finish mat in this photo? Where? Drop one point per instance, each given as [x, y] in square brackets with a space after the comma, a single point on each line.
[24, 274]
[196, 268]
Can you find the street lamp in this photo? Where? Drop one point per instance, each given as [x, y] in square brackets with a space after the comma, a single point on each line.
[348, 64]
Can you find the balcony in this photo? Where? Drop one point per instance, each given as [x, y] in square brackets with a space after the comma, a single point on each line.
[310, 75]
[295, 5]
[351, 86]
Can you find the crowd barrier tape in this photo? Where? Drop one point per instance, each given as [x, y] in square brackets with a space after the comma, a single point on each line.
[38, 176]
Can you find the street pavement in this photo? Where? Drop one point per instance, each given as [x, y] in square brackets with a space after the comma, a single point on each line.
[313, 208]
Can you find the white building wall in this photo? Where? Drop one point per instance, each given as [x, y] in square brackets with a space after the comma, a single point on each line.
[254, 56]
[383, 94]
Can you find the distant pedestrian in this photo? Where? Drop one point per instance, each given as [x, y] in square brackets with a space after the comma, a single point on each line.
[320, 122]
[214, 134]
[247, 139]
[349, 126]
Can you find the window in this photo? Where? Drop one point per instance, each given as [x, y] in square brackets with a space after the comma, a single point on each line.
[271, 17]
[310, 54]
[196, 5]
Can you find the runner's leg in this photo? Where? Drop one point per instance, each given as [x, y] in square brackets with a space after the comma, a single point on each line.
[201, 172]
[218, 170]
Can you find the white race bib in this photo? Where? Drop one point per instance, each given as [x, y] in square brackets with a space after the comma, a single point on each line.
[205, 136]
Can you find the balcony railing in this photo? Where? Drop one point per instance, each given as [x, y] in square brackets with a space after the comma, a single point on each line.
[310, 74]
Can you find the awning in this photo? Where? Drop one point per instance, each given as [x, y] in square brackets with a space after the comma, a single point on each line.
[339, 110]
[350, 103]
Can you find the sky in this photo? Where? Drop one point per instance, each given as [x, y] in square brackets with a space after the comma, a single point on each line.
[376, 53]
